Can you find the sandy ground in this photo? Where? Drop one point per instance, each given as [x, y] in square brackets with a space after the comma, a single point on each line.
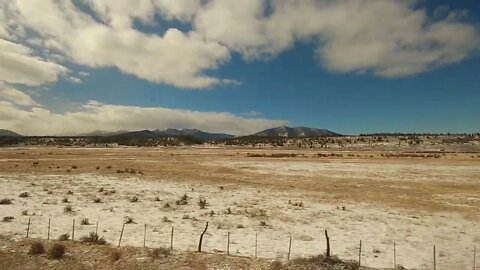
[415, 203]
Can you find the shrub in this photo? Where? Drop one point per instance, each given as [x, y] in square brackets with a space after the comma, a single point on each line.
[276, 265]
[263, 223]
[129, 220]
[100, 189]
[65, 200]
[166, 205]
[56, 251]
[115, 255]
[85, 221]
[165, 219]
[64, 237]
[36, 248]
[240, 226]
[24, 195]
[97, 200]
[93, 238]
[109, 167]
[69, 192]
[157, 199]
[68, 209]
[74, 166]
[202, 203]
[25, 213]
[156, 252]
[133, 199]
[7, 219]
[5, 201]
[98, 168]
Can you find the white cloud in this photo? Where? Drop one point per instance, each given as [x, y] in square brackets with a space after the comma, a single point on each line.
[175, 58]
[19, 65]
[83, 74]
[16, 96]
[75, 79]
[97, 116]
[389, 38]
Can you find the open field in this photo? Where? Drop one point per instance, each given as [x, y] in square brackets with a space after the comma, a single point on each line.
[415, 202]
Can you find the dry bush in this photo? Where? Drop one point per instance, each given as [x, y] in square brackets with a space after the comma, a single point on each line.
[65, 200]
[98, 168]
[157, 252]
[24, 195]
[7, 219]
[109, 167]
[69, 192]
[64, 237]
[25, 213]
[322, 262]
[133, 199]
[84, 221]
[56, 251]
[129, 220]
[68, 209]
[183, 200]
[93, 238]
[114, 255]
[36, 248]
[74, 166]
[276, 265]
[97, 200]
[100, 189]
[202, 203]
[5, 201]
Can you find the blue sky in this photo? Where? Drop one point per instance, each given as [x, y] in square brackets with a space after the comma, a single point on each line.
[430, 84]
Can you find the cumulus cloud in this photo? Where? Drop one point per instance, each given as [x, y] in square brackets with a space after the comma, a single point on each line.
[388, 38]
[16, 96]
[175, 58]
[98, 116]
[19, 65]
[383, 37]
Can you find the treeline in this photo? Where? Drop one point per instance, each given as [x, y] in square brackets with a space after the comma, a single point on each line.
[396, 134]
[98, 141]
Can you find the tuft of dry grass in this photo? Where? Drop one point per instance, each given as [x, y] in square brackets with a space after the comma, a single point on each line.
[24, 195]
[93, 238]
[157, 252]
[68, 209]
[36, 248]
[114, 255]
[64, 237]
[56, 251]
[5, 201]
[7, 219]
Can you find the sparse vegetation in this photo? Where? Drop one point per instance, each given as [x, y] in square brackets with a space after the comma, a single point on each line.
[7, 219]
[84, 221]
[157, 252]
[36, 248]
[93, 238]
[65, 200]
[24, 195]
[202, 203]
[129, 220]
[97, 200]
[5, 201]
[56, 251]
[133, 199]
[114, 255]
[64, 237]
[68, 209]
[24, 212]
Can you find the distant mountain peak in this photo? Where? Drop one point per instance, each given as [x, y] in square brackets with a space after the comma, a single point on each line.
[8, 133]
[295, 132]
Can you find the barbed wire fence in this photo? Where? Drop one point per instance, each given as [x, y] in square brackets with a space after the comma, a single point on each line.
[384, 254]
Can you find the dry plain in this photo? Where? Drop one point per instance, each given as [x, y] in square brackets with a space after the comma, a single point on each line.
[363, 195]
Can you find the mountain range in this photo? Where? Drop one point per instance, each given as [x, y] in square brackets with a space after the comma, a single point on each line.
[283, 131]
[8, 133]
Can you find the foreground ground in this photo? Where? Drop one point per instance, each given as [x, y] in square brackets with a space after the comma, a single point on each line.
[413, 202]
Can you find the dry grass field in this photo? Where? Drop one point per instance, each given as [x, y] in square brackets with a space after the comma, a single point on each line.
[416, 202]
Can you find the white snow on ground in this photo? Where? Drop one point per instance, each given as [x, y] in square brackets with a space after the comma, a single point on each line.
[414, 235]
[353, 169]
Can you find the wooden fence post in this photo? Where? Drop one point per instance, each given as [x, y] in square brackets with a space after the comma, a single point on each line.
[73, 230]
[228, 243]
[171, 239]
[327, 254]
[121, 235]
[360, 254]
[289, 248]
[201, 238]
[28, 228]
[474, 257]
[48, 233]
[256, 237]
[434, 258]
[144, 235]
[394, 255]
[96, 229]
